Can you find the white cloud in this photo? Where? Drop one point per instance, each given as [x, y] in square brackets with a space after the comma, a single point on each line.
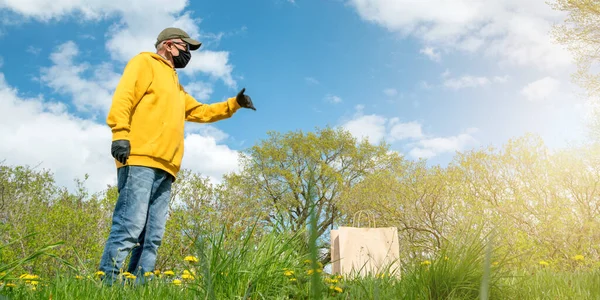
[501, 79]
[199, 90]
[510, 31]
[140, 22]
[401, 131]
[377, 128]
[203, 153]
[430, 147]
[311, 80]
[333, 98]
[34, 131]
[468, 81]
[371, 127]
[215, 63]
[541, 89]
[390, 92]
[66, 77]
[431, 53]
[46, 10]
[425, 85]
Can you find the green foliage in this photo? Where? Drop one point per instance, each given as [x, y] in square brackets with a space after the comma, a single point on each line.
[275, 175]
[33, 203]
[250, 267]
[579, 34]
[6, 269]
[275, 266]
[543, 207]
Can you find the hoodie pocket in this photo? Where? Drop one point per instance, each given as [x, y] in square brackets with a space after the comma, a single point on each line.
[168, 143]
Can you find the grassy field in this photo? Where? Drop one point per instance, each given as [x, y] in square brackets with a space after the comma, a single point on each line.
[278, 266]
[423, 283]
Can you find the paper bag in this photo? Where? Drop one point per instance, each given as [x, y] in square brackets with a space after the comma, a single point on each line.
[335, 252]
[364, 251]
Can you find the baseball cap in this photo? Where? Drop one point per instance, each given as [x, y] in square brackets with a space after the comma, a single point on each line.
[177, 33]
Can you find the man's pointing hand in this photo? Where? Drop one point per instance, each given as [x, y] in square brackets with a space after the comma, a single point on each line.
[244, 100]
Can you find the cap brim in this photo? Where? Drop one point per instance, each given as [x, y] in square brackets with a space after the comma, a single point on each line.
[194, 45]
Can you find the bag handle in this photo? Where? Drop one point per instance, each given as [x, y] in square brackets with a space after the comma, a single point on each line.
[360, 212]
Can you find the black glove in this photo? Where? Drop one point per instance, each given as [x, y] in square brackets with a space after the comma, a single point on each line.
[120, 150]
[244, 100]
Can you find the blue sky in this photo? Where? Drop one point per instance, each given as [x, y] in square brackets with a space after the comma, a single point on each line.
[431, 78]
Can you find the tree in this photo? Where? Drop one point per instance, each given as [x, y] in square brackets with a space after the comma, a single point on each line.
[275, 176]
[410, 196]
[580, 33]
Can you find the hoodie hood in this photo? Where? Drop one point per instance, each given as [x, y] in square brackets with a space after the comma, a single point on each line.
[157, 56]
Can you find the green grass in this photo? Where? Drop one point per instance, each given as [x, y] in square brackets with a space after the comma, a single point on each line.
[540, 285]
[279, 266]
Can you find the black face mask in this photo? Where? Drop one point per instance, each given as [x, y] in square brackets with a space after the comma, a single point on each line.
[182, 59]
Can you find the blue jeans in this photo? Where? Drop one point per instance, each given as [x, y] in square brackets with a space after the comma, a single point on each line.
[140, 216]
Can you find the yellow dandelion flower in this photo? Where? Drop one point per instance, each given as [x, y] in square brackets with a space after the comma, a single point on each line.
[495, 263]
[425, 263]
[191, 259]
[29, 277]
[578, 257]
[339, 277]
[292, 279]
[310, 272]
[331, 287]
[169, 273]
[338, 289]
[148, 274]
[156, 272]
[2, 273]
[79, 277]
[176, 282]
[126, 274]
[130, 276]
[11, 285]
[446, 258]
[187, 276]
[288, 273]
[543, 263]
[308, 262]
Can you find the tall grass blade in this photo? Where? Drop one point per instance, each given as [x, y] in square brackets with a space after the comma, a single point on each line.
[316, 277]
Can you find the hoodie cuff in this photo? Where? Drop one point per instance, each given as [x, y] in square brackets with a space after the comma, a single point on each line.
[120, 135]
[233, 104]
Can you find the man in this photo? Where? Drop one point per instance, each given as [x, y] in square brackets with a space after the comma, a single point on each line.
[147, 118]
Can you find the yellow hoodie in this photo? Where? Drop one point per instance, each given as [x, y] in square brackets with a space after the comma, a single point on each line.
[149, 108]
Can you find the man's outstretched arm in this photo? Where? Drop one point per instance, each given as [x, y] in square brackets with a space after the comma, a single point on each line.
[207, 113]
